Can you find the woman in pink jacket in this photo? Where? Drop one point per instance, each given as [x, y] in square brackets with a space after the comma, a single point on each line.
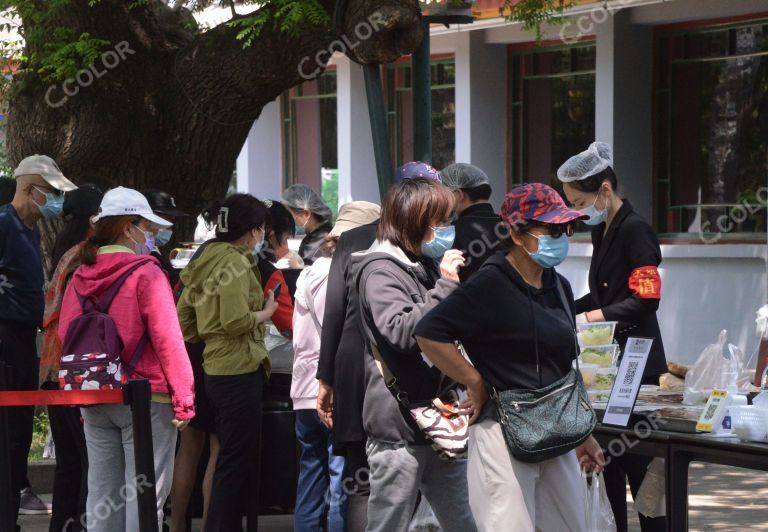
[144, 304]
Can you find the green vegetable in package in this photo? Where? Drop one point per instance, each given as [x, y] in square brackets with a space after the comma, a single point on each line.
[603, 382]
[602, 335]
[604, 359]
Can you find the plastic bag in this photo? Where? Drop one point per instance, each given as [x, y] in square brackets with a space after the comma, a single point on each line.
[424, 519]
[651, 500]
[706, 374]
[598, 507]
[761, 323]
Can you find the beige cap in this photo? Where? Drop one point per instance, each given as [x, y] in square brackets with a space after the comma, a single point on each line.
[46, 168]
[355, 214]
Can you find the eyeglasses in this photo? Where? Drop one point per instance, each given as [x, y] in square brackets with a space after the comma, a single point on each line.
[557, 230]
[48, 190]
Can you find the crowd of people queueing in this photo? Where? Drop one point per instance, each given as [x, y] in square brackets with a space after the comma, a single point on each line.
[380, 308]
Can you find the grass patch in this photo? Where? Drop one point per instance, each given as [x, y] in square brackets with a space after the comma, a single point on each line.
[39, 434]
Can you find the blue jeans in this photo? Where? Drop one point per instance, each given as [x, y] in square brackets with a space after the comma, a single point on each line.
[319, 492]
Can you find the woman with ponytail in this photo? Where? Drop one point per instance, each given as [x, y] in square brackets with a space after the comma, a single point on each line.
[143, 309]
[224, 306]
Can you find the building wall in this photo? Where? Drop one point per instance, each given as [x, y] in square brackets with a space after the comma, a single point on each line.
[706, 287]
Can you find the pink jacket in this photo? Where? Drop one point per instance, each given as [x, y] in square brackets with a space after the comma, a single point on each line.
[308, 314]
[144, 303]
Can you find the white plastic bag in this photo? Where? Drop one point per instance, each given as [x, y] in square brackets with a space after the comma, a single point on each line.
[706, 373]
[651, 500]
[598, 507]
[424, 519]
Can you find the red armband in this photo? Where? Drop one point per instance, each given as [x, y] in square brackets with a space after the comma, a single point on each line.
[645, 282]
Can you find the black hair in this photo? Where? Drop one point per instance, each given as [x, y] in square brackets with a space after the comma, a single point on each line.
[282, 226]
[79, 206]
[237, 215]
[592, 183]
[480, 193]
[7, 189]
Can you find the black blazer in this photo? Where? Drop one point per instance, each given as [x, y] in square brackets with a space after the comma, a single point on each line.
[342, 347]
[629, 244]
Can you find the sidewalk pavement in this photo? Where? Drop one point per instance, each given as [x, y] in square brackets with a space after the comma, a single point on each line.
[722, 499]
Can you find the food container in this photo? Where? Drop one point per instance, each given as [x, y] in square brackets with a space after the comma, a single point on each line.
[604, 379]
[603, 356]
[596, 334]
[588, 372]
[749, 422]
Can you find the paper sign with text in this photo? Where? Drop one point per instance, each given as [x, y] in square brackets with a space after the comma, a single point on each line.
[627, 383]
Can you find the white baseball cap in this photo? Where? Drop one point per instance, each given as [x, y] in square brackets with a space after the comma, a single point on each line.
[46, 168]
[123, 201]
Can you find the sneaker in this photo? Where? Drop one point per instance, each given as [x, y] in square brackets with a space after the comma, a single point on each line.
[31, 504]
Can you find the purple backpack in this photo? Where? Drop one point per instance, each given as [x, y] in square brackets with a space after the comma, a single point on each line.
[92, 347]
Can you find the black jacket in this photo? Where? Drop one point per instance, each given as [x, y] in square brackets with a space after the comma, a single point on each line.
[503, 321]
[629, 244]
[308, 250]
[476, 237]
[342, 347]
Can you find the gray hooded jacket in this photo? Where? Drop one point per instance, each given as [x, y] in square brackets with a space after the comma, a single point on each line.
[395, 293]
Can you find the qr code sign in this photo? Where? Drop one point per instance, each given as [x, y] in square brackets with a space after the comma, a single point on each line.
[631, 371]
[711, 411]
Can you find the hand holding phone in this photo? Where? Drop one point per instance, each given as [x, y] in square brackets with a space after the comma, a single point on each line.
[276, 290]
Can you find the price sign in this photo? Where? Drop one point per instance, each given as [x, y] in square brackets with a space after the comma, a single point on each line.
[627, 383]
[714, 412]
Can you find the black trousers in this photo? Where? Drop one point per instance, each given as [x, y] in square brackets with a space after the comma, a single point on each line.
[632, 467]
[19, 350]
[237, 402]
[356, 485]
[70, 480]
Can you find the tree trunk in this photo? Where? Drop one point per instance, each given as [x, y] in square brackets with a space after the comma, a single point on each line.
[168, 108]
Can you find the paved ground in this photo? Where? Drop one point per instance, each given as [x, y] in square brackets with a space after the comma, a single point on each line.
[721, 499]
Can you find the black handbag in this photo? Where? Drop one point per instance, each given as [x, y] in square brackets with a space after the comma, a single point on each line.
[551, 421]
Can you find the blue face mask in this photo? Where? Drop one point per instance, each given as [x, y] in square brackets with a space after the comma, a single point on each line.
[444, 237]
[53, 206]
[552, 251]
[595, 217]
[163, 237]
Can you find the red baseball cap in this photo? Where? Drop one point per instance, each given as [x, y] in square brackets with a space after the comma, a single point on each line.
[537, 202]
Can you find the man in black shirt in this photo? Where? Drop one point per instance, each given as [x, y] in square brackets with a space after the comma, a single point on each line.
[40, 188]
[477, 224]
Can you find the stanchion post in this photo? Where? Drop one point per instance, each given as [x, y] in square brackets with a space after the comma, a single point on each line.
[138, 395]
[7, 522]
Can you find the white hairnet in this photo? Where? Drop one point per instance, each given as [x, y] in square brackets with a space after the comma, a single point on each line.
[302, 197]
[593, 160]
[463, 175]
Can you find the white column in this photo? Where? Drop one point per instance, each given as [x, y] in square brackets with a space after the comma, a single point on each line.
[357, 164]
[481, 107]
[260, 163]
[623, 99]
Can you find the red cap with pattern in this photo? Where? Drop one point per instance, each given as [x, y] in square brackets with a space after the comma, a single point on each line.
[537, 202]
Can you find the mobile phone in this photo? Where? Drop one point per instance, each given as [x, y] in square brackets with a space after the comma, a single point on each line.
[276, 289]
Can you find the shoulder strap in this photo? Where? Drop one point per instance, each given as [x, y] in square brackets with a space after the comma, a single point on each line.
[109, 295]
[106, 302]
[564, 300]
[571, 318]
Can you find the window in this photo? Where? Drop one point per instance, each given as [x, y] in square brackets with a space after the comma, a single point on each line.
[552, 109]
[400, 112]
[712, 130]
[310, 141]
